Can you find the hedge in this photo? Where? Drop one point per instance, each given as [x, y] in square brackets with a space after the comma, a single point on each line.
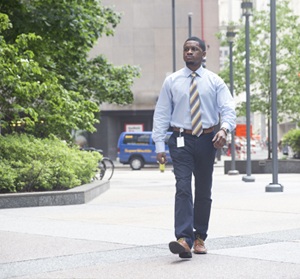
[33, 164]
[292, 138]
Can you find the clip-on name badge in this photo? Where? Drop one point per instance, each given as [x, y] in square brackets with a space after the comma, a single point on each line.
[180, 139]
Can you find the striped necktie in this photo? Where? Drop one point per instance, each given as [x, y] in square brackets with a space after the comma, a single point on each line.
[195, 107]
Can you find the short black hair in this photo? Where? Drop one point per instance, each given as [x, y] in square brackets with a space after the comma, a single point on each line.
[201, 43]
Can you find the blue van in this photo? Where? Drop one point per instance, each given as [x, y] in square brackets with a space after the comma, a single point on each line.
[138, 149]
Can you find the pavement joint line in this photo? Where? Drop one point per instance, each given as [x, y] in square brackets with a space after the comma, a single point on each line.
[255, 210]
[57, 263]
[28, 267]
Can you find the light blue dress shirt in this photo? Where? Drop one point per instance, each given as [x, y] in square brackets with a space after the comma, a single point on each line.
[173, 105]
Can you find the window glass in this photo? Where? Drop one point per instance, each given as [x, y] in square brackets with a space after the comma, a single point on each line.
[136, 139]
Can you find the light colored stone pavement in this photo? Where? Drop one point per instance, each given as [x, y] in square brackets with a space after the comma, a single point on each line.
[124, 233]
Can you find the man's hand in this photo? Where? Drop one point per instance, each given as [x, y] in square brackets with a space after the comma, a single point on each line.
[219, 139]
[161, 158]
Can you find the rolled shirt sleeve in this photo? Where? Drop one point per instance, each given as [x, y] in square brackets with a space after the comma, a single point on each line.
[226, 105]
[162, 117]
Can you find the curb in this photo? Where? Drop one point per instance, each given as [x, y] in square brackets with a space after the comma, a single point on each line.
[78, 195]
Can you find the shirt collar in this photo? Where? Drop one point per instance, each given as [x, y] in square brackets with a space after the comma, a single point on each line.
[188, 71]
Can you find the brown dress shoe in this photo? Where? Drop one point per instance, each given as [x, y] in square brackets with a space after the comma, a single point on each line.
[199, 247]
[180, 247]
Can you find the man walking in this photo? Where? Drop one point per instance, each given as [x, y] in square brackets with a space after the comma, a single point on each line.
[190, 101]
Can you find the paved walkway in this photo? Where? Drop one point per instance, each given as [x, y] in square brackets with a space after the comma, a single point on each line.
[124, 233]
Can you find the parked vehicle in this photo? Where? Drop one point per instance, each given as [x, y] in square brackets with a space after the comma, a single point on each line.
[138, 149]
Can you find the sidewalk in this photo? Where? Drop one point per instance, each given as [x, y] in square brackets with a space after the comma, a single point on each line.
[124, 233]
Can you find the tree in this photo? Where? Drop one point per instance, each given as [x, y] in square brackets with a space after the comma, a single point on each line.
[33, 95]
[288, 63]
[292, 138]
[46, 79]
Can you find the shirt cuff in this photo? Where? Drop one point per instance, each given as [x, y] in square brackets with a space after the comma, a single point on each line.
[226, 126]
[160, 147]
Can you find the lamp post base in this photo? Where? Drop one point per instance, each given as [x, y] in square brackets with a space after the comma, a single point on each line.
[274, 188]
[233, 172]
[247, 178]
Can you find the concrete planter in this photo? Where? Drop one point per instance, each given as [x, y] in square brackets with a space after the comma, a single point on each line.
[78, 195]
[264, 166]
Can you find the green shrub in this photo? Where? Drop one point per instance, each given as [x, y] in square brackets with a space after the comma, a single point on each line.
[7, 177]
[284, 157]
[292, 138]
[32, 164]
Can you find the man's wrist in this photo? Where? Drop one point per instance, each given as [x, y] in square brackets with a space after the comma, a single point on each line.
[225, 130]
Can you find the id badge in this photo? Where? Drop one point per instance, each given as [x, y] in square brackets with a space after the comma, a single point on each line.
[180, 141]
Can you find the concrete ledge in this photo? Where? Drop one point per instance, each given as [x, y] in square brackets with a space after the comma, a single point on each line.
[264, 166]
[78, 195]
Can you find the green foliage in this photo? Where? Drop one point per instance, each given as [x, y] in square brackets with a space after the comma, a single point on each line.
[284, 157]
[31, 164]
[8, 176]
[288, 61]
[292, 138]
[33, 95]
[47, 82]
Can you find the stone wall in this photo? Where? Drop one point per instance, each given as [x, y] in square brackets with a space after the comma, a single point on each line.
[264, 166]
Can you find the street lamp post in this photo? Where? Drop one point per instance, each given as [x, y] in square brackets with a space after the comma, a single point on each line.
[274, 187]
[247, 8]
[173, 32]
[190, 24]
[230, 37]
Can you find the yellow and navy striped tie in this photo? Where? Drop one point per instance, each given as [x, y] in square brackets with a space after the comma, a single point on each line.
[195, 107]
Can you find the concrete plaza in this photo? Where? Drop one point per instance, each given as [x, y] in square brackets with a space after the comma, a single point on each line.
[124, 232]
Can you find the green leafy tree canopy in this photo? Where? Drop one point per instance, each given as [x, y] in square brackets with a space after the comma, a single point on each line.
[288, 63]
[46, 78]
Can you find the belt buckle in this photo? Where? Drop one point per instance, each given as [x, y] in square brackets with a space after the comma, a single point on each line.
[181, 130]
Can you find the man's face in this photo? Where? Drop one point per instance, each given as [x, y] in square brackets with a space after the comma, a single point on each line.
[193, 54]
